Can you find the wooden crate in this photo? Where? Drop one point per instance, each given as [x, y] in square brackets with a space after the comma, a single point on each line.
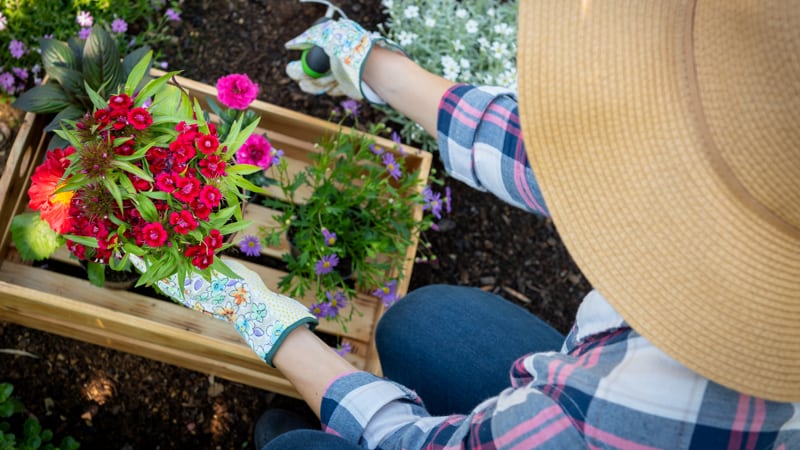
[151, 327]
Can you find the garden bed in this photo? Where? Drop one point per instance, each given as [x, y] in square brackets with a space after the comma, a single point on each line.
[141, 323]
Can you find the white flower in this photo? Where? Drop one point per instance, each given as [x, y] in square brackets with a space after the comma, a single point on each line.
[464, 63]
[508, 65]
[503, 29]
[461, 13]
[406, 38]
[84, 19]
[499, 49]
[36, 68]
[488, 79]
[471, 26]
[490, 12]
[411, 12]
[484, 43]
[3, 22]
[430, 22]
[507, 79]
[450, 65]
[387, 4]
[457, 45]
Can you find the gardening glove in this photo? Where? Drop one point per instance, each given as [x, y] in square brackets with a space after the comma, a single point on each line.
[347, 45]
[262, 317]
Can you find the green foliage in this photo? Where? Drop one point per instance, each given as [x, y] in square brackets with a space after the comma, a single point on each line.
[31, 436]
[28, 21]
[471, 41]
[33, 237]
[78, 69]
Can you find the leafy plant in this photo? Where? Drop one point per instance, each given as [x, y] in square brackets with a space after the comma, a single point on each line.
[352, 233]
[145, 174]
[76, 68]
[471, 41]
[32, 435]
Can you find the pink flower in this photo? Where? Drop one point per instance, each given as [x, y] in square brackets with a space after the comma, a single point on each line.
[256, 150]
[236, 91]
[154, 234]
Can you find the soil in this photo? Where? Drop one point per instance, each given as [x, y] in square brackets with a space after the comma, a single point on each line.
[109, 399]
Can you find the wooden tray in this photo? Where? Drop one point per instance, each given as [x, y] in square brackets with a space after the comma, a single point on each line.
[148, 326]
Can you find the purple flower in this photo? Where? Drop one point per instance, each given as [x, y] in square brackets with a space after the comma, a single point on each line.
[163, 65]
[350, 106]
[17, 48]
[119, 26]
[396, 139]
[337, 300]
[375, 149]
[84, 33]
[387, 293]
[250, 245]
[84, 19]
[448, 200]
[330, 237]
[326, 264]
[322, 310]
[22, 74]
[432, 202]
[344, 349]
[172, 15]
[7, 82]
[391, 166]
[276, 155]
[48, 36]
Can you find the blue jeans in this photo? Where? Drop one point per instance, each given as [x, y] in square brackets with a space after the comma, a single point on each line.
[453, 345]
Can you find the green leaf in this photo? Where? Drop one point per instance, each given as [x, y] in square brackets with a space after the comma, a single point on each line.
[146, 208]
[6, 389]
[97, 100]
[243, 169]
[235, 226]
[113, 189]
[128, 167]
[83, 240]
[71, 112]
[34, 238]
[77, 46]
[244, 183]
[166, 101]
[97, 273]
[133, 58]
[152, 87]
[31, 427]
[57, 53]
[244, 134]
[101, 62]
[133, 249]
[137, 73]
[223, 268]
[47, 98]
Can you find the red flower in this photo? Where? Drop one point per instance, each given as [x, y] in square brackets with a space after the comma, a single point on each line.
[125, 149]
[118, 119]
[201, 210]
[208, 144]
[165, 181]
[183, 221]
[182, 149]
[139, 184]
[154, 234]
[214, 239]
[46, 180]
[201, 255]
[186, 189]
[210, 196]
[102, 116]
[139, 118]
[212, 167]
[121, 101]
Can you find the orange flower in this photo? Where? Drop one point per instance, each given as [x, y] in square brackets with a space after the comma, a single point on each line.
[240, 295]
[46, 180]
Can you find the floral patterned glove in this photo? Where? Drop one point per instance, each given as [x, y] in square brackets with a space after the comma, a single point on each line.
[263, 318]
[347, 46]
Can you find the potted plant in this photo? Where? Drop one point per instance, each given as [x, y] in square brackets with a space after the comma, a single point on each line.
[145, 173]
[351, 233]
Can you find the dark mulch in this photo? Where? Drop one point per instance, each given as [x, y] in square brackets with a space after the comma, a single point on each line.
[109, 399]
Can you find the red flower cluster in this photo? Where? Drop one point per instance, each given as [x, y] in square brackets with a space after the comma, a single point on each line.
[184, 188]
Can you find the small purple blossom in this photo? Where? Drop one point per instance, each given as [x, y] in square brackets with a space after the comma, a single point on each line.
[321, 310]
[7, 82]
[21, 73]
[396, 140]
[84, 19]
[337, 300]
[344, 349]
[84, 33]
[391, 166]
[119, 26]
[387, 293]
[48, 36]
[250, 245]
[376, 149]
[163, 65]
[433, 202]
[17, 48]
[350, 106]
[277, 154]
[172, 15]
[326, 264]
[329, 236]
[448, 200]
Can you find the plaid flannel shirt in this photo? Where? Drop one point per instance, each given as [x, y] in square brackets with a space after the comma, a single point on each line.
[608, 387]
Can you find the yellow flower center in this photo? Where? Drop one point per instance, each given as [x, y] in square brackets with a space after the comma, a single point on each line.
[64, 197]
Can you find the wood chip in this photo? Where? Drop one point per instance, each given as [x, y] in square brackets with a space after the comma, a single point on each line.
[517, 294]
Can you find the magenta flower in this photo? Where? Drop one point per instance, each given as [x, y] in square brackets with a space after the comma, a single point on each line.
[326, 264]
[250, 245]
[17, 48]
[236, 91]
[391, 166]
[387, 293]
[344, 349]
[119, 26]
[172, 15]
[84, 19]
[257, 151]
[330, 237]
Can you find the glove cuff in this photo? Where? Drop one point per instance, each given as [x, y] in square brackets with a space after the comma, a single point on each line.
[312, 323]
[366, 92]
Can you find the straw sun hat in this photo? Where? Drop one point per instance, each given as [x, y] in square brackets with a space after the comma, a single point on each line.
[666, 138]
